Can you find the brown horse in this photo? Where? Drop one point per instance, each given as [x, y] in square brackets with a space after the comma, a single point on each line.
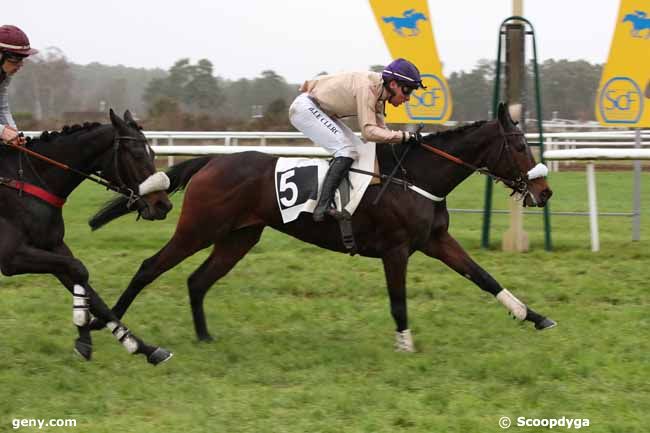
[231, 198]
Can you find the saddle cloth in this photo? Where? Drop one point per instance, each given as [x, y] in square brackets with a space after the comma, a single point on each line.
[298, 181]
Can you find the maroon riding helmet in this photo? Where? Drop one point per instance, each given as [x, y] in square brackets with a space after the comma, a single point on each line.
[15, 41]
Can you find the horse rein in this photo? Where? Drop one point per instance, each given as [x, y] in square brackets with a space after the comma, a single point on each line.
[122, 189]
[517, 185]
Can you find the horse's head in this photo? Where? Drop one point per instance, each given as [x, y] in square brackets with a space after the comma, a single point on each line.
[513, 162]
[132, 166]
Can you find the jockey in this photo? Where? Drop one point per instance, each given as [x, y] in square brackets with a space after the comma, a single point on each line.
[324, 101]
[14, 48]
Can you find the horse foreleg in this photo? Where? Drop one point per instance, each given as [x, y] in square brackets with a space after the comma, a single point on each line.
[175, 251]
[446, 249]
[26, 259]
[395, 262]
[80, 316]
[74, 276]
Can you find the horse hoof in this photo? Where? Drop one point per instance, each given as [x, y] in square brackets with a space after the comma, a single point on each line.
[207, 338]
[96, 324]
[159, 356]
[83, 349]
[545, 323]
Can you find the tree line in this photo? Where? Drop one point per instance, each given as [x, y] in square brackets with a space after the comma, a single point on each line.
[50, 91]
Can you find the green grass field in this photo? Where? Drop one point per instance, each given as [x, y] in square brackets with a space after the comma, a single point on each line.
[304, 336]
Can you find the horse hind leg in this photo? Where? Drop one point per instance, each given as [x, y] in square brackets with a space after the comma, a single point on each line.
[225, 255]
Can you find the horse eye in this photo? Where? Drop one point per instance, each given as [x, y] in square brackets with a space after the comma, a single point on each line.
[138, 152]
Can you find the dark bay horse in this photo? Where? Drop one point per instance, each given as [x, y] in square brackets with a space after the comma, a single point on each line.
[231, 198]
[32, 192]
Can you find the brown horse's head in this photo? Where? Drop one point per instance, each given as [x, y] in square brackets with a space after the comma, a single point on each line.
[514, 163]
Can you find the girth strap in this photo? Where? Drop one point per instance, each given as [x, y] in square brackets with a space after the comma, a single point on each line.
[33, 190]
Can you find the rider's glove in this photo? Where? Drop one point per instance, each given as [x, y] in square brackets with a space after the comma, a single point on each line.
[413, 138]
[10, 134]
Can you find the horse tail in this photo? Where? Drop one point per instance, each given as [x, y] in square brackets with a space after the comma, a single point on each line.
[179, 175]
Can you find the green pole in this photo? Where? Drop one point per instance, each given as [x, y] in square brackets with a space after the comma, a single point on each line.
[487, 207]
[538, 98]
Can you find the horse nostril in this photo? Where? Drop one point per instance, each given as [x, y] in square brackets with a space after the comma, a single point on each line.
[164, 206]
[546, 194]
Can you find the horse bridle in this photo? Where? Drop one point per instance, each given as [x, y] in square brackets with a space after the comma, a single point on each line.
[518, 185]
[122, 189]
[132, 196]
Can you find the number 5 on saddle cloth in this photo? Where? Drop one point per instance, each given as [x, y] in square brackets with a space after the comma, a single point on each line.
[297, 187]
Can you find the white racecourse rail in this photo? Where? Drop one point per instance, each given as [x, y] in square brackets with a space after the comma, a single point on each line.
[560, 146]
[591, 155]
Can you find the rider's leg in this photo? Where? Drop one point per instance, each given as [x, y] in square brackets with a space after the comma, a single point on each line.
[337, 171]
[334, 136]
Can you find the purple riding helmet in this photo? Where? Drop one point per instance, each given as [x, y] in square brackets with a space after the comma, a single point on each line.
[404, 72]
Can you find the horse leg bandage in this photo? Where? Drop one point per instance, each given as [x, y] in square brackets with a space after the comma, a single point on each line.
[124, 336]
[516, 307]
[80, 313]
[404, 341]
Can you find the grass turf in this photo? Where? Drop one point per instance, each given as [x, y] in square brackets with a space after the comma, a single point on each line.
[303, 349]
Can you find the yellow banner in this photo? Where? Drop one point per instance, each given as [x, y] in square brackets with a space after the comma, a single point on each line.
[407, 29]
[624, 91]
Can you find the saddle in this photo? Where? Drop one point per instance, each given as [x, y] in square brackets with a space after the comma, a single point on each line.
[297, 186]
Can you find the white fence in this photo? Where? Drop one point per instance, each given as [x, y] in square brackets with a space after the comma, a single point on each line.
[593, 154]
[559, 146]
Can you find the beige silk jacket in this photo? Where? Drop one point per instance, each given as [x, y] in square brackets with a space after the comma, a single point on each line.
[358, 94]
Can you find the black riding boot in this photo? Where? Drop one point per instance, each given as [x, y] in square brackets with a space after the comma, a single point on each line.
[337, 171]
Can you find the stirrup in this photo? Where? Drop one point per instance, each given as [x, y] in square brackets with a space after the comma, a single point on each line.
[345, 224]
[319, 214]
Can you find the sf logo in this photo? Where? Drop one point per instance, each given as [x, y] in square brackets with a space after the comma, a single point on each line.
[429, 98]
[624, 101]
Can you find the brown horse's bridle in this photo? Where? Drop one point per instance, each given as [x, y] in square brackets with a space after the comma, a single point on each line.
[518, 185]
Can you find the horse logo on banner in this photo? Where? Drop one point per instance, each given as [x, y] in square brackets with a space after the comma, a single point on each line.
[408, 20]
[640, 21]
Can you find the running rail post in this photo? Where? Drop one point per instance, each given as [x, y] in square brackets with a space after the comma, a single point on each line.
[636, 218]
[593, 206]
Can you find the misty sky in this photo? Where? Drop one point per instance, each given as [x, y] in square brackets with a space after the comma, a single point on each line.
[296, 38]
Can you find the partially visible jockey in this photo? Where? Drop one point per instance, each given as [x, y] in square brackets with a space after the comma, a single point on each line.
[317, 111]
[14, 48]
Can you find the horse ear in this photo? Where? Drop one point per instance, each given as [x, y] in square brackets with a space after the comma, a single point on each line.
[115, 119]
[128, 117]
[502, 113]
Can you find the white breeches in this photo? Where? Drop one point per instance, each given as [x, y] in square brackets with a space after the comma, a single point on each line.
[331, 134]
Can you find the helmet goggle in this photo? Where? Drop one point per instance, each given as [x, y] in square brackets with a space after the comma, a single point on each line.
[13, 57]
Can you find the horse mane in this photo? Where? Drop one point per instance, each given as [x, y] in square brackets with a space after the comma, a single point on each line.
[48, 136]
[452, 133]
